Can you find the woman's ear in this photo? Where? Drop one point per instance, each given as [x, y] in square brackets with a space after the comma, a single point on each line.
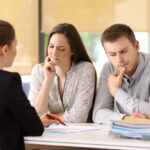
[4, 49]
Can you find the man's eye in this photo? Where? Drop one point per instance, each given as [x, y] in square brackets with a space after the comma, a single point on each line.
[111, 54]
[124, 51]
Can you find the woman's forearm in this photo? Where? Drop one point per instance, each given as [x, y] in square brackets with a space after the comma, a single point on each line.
[41, 102]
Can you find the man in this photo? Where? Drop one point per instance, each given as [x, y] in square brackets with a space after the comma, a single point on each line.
[125, 80]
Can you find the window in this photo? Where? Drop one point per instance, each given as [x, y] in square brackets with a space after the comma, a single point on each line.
[96, 51]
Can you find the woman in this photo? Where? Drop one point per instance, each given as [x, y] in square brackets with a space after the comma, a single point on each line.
[65, 84]
[18, 117]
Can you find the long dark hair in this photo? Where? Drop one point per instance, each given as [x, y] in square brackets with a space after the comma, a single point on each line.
[7, 33]
[74, 40]
[78, 49]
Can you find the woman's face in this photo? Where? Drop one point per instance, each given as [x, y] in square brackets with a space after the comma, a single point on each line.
[59, 49]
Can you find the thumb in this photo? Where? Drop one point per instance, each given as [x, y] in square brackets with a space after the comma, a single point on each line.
[121, 73]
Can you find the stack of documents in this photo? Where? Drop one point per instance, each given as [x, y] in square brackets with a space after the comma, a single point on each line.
[134, 128]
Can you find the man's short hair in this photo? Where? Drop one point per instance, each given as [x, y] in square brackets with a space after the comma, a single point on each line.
[114, 32]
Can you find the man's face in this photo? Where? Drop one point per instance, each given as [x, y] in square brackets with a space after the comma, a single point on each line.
[123, 54]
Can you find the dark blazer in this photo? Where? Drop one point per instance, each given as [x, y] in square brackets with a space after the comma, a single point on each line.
[17, 117]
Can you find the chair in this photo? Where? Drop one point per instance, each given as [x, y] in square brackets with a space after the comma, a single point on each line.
[26, 88]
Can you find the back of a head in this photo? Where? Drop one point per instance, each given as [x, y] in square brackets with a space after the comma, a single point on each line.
[7, 33]
[114, 32]
[74, 40]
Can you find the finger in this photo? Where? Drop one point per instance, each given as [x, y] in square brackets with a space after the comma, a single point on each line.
[48, 66]
[121, 73]
[47, 59]
[142, 115]
[52, 65]
[147, 117]
[135, 115]
[52, 122]
[57, 122]
[116, 74]
[45, 125]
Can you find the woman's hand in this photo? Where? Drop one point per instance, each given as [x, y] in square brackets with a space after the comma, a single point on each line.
[60, 116]
[46, 121]
[49, 68]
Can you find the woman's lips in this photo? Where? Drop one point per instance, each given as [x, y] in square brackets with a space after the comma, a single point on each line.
[54, 58]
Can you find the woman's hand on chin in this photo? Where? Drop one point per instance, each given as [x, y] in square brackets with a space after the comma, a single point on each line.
[49, 68]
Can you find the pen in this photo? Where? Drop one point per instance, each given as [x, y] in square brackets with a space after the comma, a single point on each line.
[55, 118]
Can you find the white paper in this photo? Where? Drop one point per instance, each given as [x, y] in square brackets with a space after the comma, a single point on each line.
[70, 128]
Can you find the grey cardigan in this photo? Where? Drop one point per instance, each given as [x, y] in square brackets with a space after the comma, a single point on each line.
[77, 94]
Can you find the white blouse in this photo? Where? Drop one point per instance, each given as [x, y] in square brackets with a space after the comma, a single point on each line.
[78, 91]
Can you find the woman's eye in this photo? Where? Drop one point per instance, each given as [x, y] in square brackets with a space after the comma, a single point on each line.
[61, 48]
[51, 46]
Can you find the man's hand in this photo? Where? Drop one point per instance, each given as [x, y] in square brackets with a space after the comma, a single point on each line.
[115, 81]
[136, 115]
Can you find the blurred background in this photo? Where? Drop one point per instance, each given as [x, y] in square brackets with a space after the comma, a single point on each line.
[34, 19]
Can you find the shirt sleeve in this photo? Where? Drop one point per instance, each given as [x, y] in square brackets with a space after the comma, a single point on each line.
[104, 104]
[132, 104]
[20, 107]
[84, 96]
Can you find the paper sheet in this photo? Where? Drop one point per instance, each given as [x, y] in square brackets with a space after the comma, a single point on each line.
[70, 128]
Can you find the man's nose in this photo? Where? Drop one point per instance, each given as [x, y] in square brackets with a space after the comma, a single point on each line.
[119, 58]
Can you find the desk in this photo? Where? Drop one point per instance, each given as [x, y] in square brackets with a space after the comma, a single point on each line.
[99, 139]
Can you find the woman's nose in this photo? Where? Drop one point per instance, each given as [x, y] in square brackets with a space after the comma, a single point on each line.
[55, 52]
